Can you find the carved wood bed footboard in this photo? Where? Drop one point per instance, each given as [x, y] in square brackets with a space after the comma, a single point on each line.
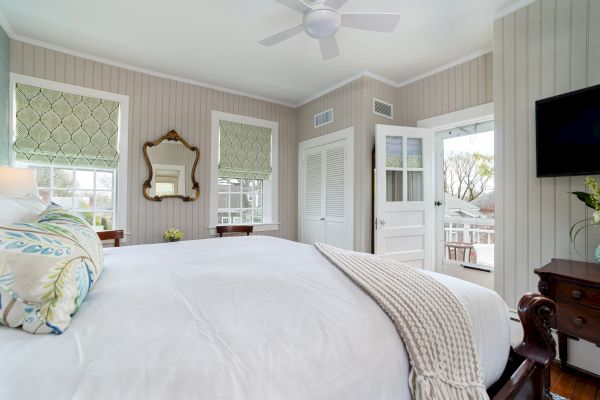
[527, 373]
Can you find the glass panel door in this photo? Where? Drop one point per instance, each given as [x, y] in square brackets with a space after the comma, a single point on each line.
[468, 196]
[394, 163]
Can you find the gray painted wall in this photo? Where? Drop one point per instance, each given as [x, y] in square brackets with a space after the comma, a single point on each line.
[4, 84]
[466, 85]
[157, 105]
[547, 48]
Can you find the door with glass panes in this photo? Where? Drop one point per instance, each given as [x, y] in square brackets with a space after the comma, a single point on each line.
[404, 195]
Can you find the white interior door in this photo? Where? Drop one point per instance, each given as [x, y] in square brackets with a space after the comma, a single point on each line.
[404, 195]
[338, 231]
[326, 202]
[313, 219]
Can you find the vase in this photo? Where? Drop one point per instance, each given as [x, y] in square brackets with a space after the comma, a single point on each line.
[597, 254]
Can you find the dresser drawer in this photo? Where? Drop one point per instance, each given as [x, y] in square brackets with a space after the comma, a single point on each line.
[577, 293]
[579, 321]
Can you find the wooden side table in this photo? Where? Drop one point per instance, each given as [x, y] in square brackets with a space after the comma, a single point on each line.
[575, 288]
[115, 235]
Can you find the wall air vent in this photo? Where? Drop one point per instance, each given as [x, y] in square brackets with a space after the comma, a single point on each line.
[383, 109]
[324, 118]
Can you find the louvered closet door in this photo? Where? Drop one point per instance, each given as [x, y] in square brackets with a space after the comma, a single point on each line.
[326, 193]
[313, 220]
[335, 195]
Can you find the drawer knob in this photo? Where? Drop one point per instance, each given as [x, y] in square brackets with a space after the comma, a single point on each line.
[578, 321]
[577, 294]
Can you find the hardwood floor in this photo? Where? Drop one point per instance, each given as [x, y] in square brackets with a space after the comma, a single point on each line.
[574, 386]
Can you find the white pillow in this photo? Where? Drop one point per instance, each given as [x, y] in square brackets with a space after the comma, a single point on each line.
[20, 209]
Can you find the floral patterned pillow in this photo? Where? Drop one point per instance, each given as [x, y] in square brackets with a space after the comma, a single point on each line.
[47, 268]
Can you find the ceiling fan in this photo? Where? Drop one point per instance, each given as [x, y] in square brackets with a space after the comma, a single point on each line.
[321, 20]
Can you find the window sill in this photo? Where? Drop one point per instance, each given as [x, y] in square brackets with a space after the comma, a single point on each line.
[273, 226]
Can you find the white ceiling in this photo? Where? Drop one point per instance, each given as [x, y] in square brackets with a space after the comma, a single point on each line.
[216, 41]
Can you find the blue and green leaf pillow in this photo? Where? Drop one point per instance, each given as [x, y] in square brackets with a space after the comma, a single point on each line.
[47, 268]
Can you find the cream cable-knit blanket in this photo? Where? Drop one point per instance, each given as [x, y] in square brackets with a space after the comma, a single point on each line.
[432, 323]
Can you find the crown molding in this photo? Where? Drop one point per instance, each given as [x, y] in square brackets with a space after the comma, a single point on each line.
[511, 8]
[331, 88]
[5, 24]
[452, 64]
[147, 71]
[391, 82]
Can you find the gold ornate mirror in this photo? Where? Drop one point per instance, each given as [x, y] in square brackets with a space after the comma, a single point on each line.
[171, 169]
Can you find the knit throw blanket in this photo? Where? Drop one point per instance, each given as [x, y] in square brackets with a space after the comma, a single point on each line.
[432, 323]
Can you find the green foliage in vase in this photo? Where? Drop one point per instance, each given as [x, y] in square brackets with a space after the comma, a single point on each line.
[173, 235]
[591, 200]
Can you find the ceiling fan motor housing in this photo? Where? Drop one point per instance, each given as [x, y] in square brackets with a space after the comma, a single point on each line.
[322, 22]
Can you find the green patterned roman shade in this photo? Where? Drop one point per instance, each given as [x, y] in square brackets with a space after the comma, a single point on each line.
[244, 151]
[65, 129]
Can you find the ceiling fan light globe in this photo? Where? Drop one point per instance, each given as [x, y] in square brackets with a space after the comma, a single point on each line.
[321, 23]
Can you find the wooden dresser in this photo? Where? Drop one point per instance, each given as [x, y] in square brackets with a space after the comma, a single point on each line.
[575, 287]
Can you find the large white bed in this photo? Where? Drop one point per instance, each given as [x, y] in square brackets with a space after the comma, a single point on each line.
[234, 318]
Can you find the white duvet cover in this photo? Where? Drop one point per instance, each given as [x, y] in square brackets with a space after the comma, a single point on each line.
[253, 318]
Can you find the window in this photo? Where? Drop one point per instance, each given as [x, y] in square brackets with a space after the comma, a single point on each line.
[244, 173]
[90, 192]
[240, 201]
[75, 140]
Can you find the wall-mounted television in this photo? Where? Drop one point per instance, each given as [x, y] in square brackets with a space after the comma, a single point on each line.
[568, 133]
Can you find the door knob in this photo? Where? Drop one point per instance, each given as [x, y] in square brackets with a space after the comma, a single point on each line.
[382, 221]
[437, 203]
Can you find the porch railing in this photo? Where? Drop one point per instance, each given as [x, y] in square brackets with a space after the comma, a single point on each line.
[461, 233]
[469, 230]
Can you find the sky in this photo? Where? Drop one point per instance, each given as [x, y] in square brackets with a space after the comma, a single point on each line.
[481, 142]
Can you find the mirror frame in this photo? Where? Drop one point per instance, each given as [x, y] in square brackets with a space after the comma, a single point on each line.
[174, 137]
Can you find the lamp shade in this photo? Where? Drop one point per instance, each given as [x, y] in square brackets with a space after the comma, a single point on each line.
[17, 182]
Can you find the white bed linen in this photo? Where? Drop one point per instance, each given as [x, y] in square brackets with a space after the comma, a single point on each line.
[235, 318]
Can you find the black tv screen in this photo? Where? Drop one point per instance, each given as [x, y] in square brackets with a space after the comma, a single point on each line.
[568, 133]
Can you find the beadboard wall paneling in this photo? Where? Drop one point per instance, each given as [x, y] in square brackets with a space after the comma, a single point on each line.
[352, 107]
[466, 85]
[548, 48]
[4, 83]
[158, 105]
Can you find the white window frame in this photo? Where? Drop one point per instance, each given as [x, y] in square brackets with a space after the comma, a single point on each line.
[120, 216]
[439, 123]
[74, 189]
[270, 187]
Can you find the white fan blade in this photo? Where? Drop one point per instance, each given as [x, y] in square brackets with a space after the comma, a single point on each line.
[297, 5]
[281, 36]
[335, 4]
[379, 22]
[329, 48]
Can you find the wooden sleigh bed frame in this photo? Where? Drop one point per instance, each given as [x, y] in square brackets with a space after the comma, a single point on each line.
[527, 372]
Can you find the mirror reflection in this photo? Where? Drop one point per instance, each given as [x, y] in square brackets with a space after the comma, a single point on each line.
[171, 162]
